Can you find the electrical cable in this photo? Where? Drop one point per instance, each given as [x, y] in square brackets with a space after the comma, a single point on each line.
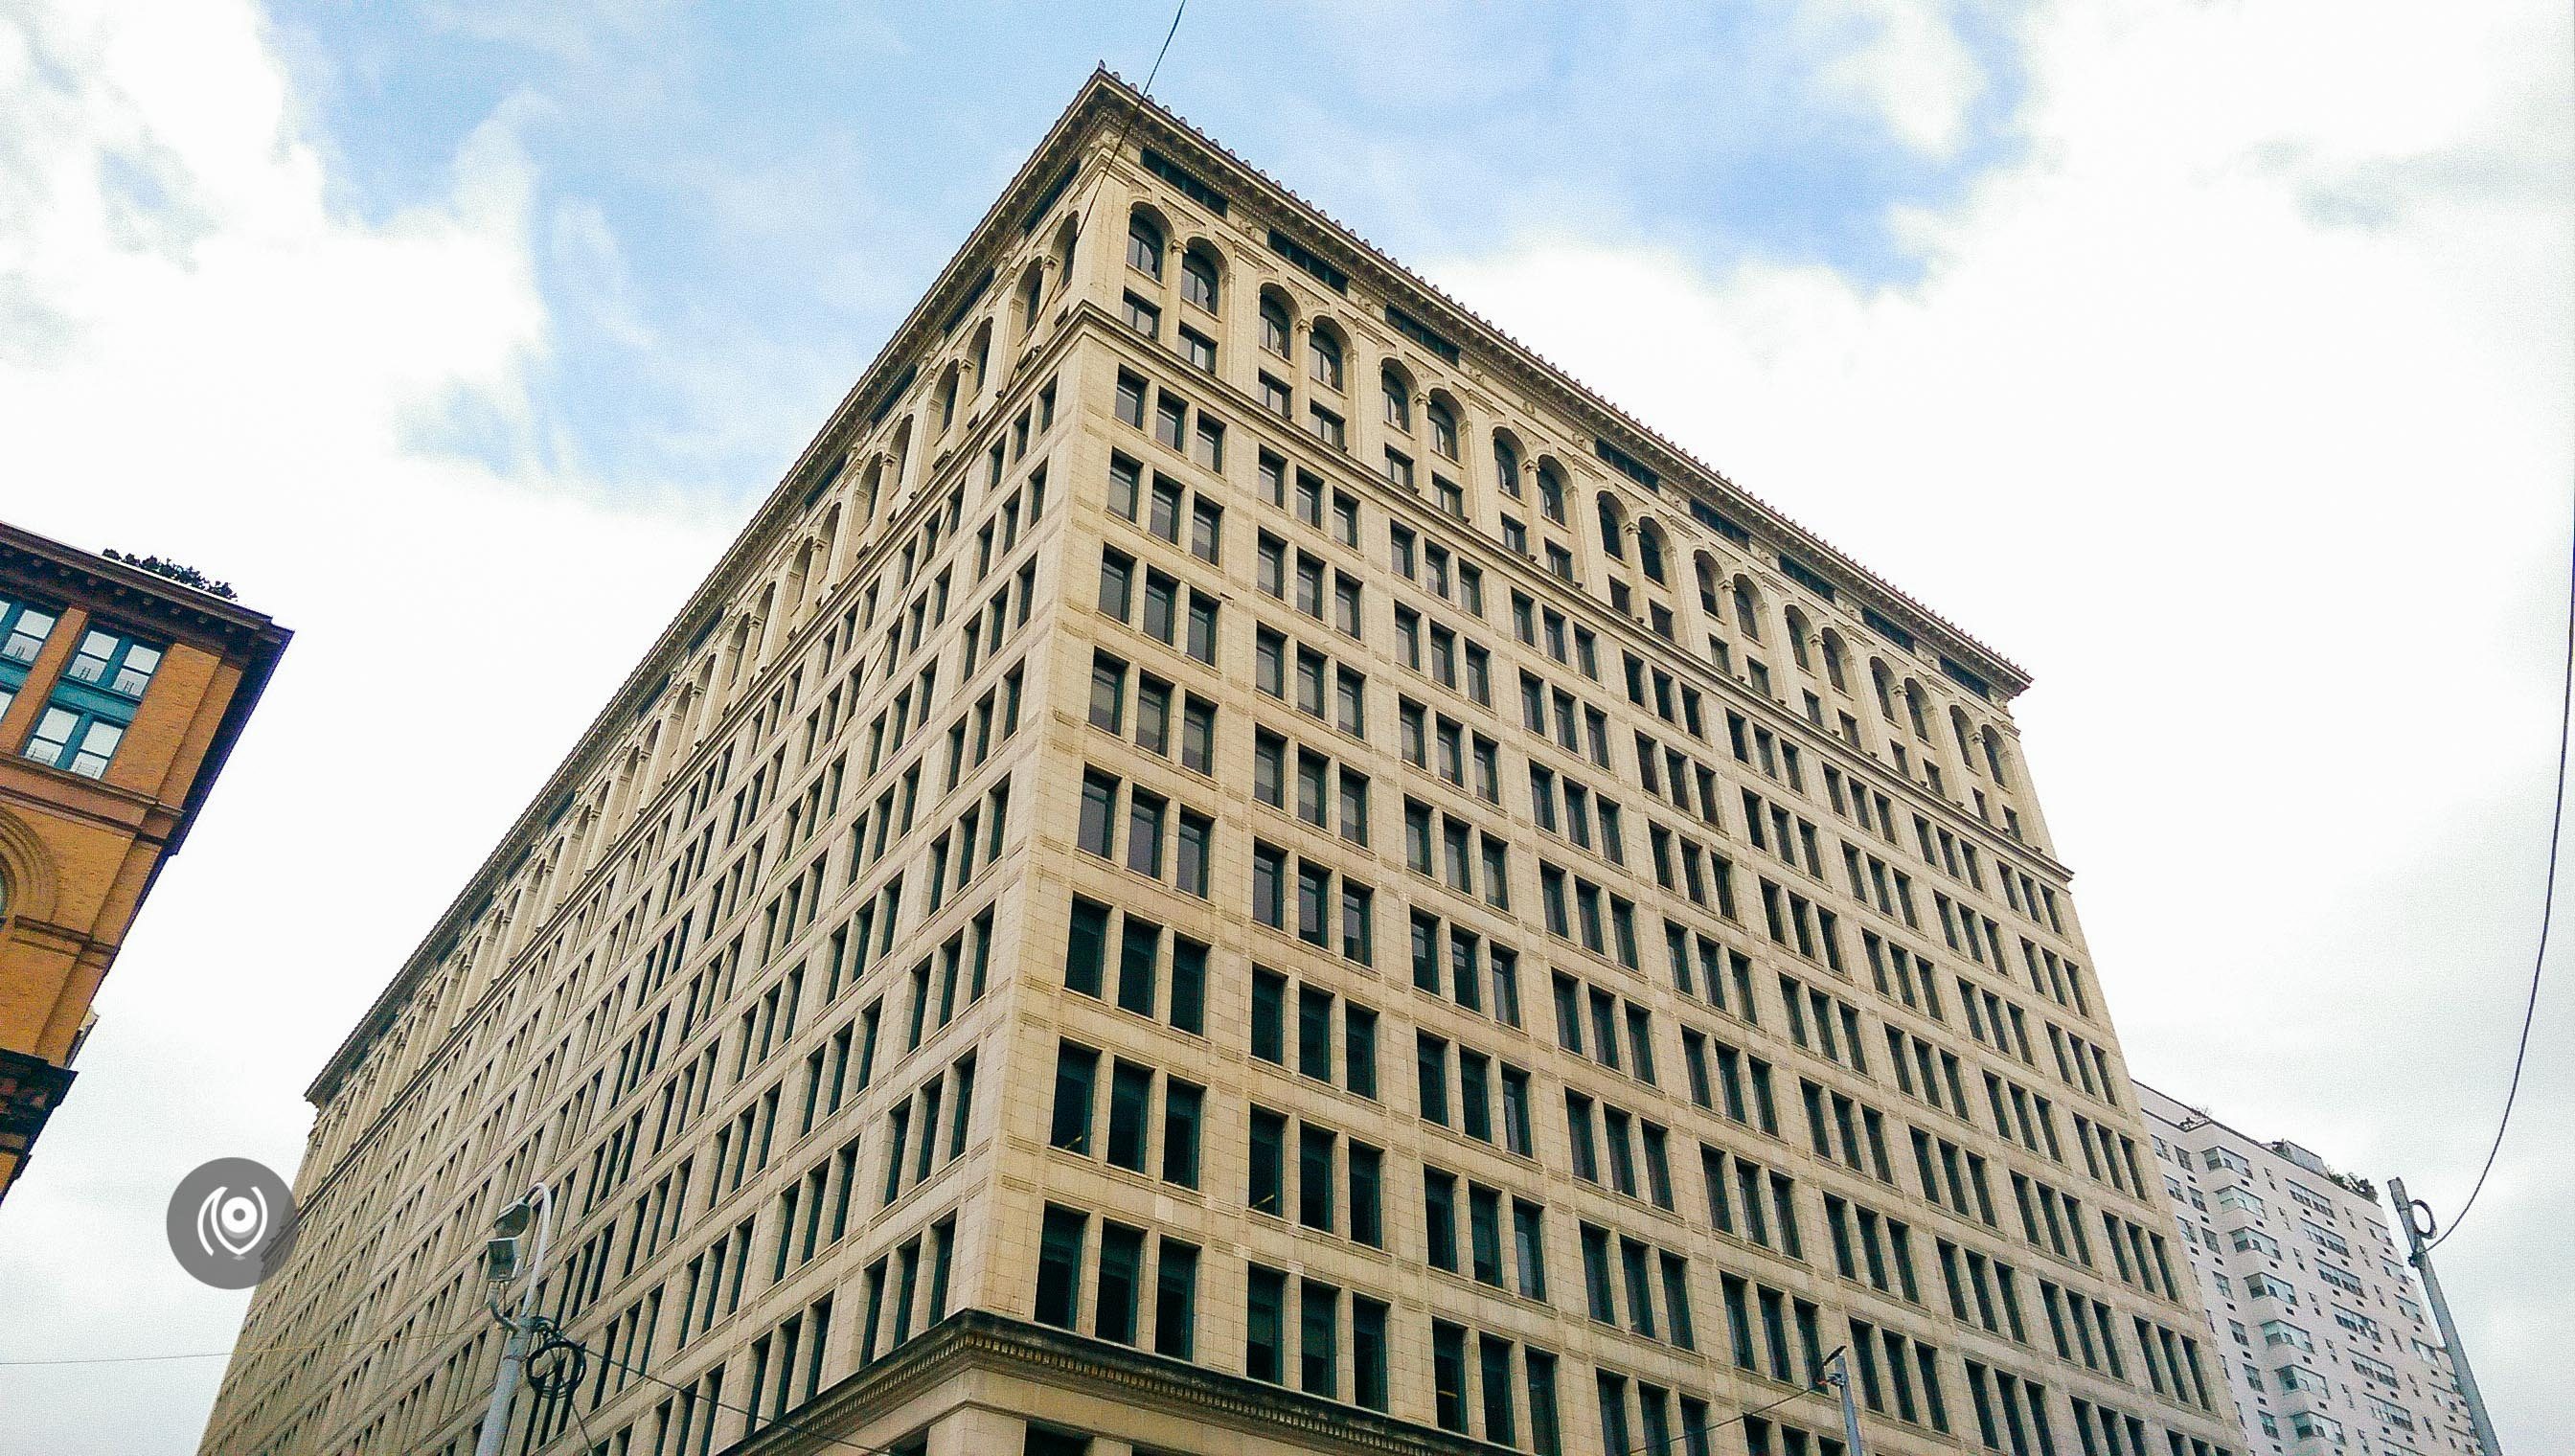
[2547, 911]
[583, 1423]
[1082, 227]
[236, 1350]
[751, 1411]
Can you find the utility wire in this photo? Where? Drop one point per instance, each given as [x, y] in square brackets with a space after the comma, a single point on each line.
[236, 1350]
[2547, 911]
[691, 1389]
[1123, 125]
[1081, 229]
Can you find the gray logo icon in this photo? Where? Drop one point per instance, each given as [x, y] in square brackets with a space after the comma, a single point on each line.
[231, 1223]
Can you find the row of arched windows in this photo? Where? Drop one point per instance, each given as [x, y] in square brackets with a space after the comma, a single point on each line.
[1635, 552]
[1531, 505]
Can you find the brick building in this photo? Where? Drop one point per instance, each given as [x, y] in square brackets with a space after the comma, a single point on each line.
[121, 692]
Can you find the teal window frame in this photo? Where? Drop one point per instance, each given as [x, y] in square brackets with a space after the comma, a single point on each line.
[21, 644]
[93, 702]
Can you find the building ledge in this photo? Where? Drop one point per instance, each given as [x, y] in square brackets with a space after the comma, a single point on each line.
[973, 1340]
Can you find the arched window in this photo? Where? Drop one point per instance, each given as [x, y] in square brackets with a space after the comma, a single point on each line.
[902, 457]
[1994, 758]
[1506, 466]
[1550, 491]
[1323, 358]
[800, 573]
[1065, 239]
[1613, 527]
[1884, 682]
[1707, 586]
[1398, 398]
[1275, 328]
[947, 398]
[1747, 611]
[1833, 672]
[870, 484]
[1649, 551]
[827, 539]
[1913, 709]
[1958, 730]
[1030, 296]
[1797, 639]
[1443, 429]
[1199, 277]
[1145, 245]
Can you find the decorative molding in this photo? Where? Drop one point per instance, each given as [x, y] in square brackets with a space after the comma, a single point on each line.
[980, 1341]
[29, 868]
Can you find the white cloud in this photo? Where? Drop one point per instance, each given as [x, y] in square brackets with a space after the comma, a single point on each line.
[2238, 411]
[1902, 59]
[201, 357]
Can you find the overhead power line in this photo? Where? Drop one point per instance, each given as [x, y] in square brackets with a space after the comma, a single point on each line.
[1081, 229]
[2547, 911]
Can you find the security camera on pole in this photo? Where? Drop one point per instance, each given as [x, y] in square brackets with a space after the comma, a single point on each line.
[501, 1268]
[1838, 1377]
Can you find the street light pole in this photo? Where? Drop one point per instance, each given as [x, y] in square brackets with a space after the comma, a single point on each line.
[501, 1262]
[1839, 1378]
[2420, 1256]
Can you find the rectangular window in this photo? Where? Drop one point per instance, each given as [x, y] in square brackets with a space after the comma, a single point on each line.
[1369, 1352]
[1122, 1261]
[1267, 1190]
[1176, 1300]
[1264, 1327]
[1099, 813]
[1440, 1217]
[1368, 1209]
[1318, 1325]
[1060, 1266]
[1315, 1177]
[1183, 1103]
[1077, 1069]
[1131, 1095]
[1449, 1375]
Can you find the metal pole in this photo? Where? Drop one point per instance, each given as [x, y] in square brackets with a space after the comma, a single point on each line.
[2421, 1259]
[514, 1353]
[1839, 1377]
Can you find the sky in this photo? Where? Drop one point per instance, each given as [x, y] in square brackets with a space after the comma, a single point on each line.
[2211, 359]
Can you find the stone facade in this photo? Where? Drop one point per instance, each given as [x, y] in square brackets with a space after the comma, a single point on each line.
[121, 692]
[1062, 941]
[2327, 1345]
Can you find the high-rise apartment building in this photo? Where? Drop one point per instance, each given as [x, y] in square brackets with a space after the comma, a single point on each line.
[2328, 1346]
[1234, 863]
[123, 686]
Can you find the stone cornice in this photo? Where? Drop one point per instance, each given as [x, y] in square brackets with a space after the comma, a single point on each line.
[709, 603]
[1535, 375]
[248, 640]
[1104, 101]
[976, 1339]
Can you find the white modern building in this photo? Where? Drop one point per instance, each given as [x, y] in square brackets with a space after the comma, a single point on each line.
[2308, 1291]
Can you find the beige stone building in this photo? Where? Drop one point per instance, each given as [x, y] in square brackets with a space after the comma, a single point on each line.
[2325, 1340]
[1234, 863]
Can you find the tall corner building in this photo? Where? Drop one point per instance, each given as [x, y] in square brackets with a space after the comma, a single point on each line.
[2323, 1333]
[1233, 864]
[124, 685]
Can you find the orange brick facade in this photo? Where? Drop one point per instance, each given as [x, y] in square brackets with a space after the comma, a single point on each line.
[80, 840]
